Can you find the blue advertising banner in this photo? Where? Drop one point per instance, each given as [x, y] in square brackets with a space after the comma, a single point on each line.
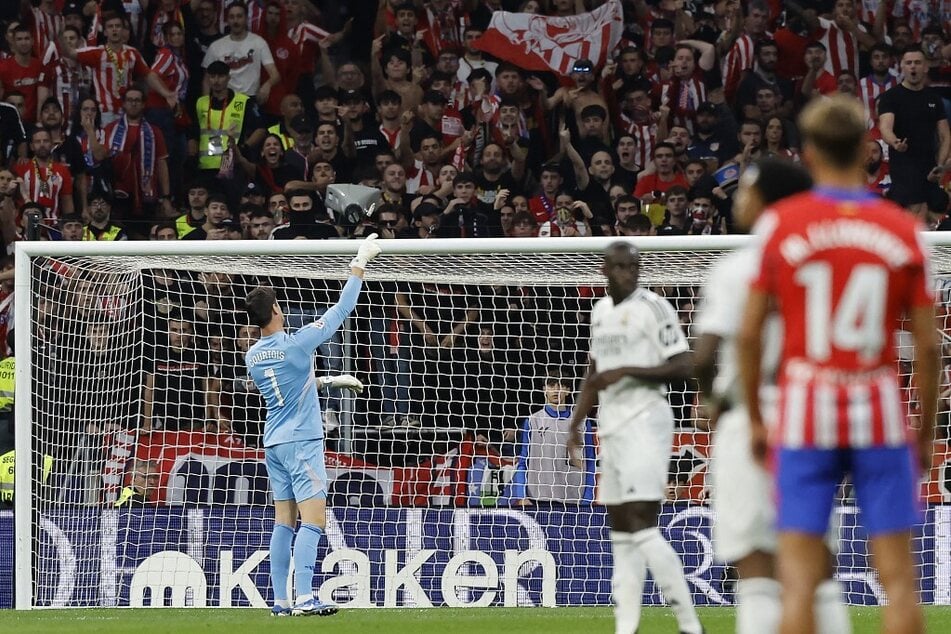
[399, 557]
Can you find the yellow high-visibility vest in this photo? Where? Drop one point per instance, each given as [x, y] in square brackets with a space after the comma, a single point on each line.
[213, 138]
[8, 381]
[7, 474]
[286, 141]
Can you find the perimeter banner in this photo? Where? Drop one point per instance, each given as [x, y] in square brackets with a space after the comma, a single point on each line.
[399, 557]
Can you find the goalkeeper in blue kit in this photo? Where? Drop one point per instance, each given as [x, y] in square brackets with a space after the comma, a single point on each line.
[281, 366]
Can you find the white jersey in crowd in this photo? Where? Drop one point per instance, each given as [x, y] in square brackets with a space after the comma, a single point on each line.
[246, 58]
[643, 330]
[720, 312]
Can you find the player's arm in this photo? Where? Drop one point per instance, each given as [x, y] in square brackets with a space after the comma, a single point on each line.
[587, 399]
[677, 368]
[705, 370]
[749, 346]
[927, 370]
[314, 334]
[944, 142]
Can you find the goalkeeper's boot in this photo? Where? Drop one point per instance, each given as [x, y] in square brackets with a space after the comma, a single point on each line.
[313, 607]
[280, 611]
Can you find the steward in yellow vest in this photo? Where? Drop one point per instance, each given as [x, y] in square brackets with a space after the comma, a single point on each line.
[223, 119]
[7, 475]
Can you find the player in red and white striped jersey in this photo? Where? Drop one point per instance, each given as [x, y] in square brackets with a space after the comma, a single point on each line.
[876, 82]
[114, 66]
[842, 268]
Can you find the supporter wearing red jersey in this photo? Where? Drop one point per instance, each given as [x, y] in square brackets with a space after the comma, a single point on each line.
[286, 54]
[818, 81]
[542, 206]
[24, 74]
[740, 58]
[114, 66]
[874, 85]
[45, 181]
[47, 23]
[650, 187]
[843, 36]
[842, 269]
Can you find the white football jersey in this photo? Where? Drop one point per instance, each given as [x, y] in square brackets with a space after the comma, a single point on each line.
[643, 331]
[724, 299]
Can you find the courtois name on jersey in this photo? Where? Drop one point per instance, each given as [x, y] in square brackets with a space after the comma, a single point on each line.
[282, 367]
[642, 330]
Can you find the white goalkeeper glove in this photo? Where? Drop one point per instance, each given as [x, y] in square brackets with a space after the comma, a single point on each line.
[341, 382]
[369, 249]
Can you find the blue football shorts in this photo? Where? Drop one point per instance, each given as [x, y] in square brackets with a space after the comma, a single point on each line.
[296, 470]
[885, 481]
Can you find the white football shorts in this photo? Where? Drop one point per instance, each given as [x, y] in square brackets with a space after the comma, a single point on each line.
[635, 460]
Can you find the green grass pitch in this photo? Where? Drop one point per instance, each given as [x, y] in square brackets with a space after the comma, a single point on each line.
[384, 621]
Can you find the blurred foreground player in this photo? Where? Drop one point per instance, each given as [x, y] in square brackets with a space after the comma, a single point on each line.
[842, 268]
[744, 534]
[636, 428]
[281, 366]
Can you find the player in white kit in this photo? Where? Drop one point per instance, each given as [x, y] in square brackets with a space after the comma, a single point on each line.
[744, 532]
[635, 425]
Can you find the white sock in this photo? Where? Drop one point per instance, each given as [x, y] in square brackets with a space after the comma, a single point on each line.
[758, 606]
[627, 582]
[832, 615]
[668, 571]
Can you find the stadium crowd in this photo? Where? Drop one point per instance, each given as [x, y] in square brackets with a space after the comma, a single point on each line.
[197, 119]
[218, 119]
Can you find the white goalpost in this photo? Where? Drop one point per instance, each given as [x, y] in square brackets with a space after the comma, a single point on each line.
[137, 435]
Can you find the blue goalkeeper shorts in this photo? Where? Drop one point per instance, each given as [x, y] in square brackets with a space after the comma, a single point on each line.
[296, 470]
[885, 481]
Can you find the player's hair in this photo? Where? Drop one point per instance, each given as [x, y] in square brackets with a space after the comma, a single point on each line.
[259, 304]
[835, 127]
[627, 247]
[776, 178]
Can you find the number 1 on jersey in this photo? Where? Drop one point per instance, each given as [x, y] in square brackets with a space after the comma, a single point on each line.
[856, 323]
[269, 373]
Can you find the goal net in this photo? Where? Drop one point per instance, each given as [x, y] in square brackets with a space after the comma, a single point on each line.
[139, 430]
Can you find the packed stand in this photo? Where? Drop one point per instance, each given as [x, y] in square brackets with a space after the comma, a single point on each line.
[211, 120]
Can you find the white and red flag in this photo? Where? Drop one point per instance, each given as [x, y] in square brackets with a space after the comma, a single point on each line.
[544, 43]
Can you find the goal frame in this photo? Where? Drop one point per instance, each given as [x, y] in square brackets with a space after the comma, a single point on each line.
[27, 251]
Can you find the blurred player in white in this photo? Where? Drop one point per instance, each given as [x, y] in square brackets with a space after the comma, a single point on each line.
[281, 366]
[842, 269]
[744, 532]
[636, 426]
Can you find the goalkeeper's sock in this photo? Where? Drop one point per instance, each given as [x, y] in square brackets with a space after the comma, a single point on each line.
[627, 582]
[305, 559]
[281, 538]
[668, 571]
[831, 614]
[758, 605]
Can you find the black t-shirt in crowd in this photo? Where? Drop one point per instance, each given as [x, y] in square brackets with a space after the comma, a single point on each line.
[917, 113]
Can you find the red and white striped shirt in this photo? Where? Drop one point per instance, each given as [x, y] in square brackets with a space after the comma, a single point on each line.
[737, 60]
[683, 97]
[644, 139]
[173, 72]
[67, 79]
[45, 185]
[308, 37]
[46, 28]
[843, 269]
[869, 91]
[842, 49]
[113, 73]
[392, 137]
[418, 177]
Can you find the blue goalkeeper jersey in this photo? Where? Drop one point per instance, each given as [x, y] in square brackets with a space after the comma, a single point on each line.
[281, 366]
